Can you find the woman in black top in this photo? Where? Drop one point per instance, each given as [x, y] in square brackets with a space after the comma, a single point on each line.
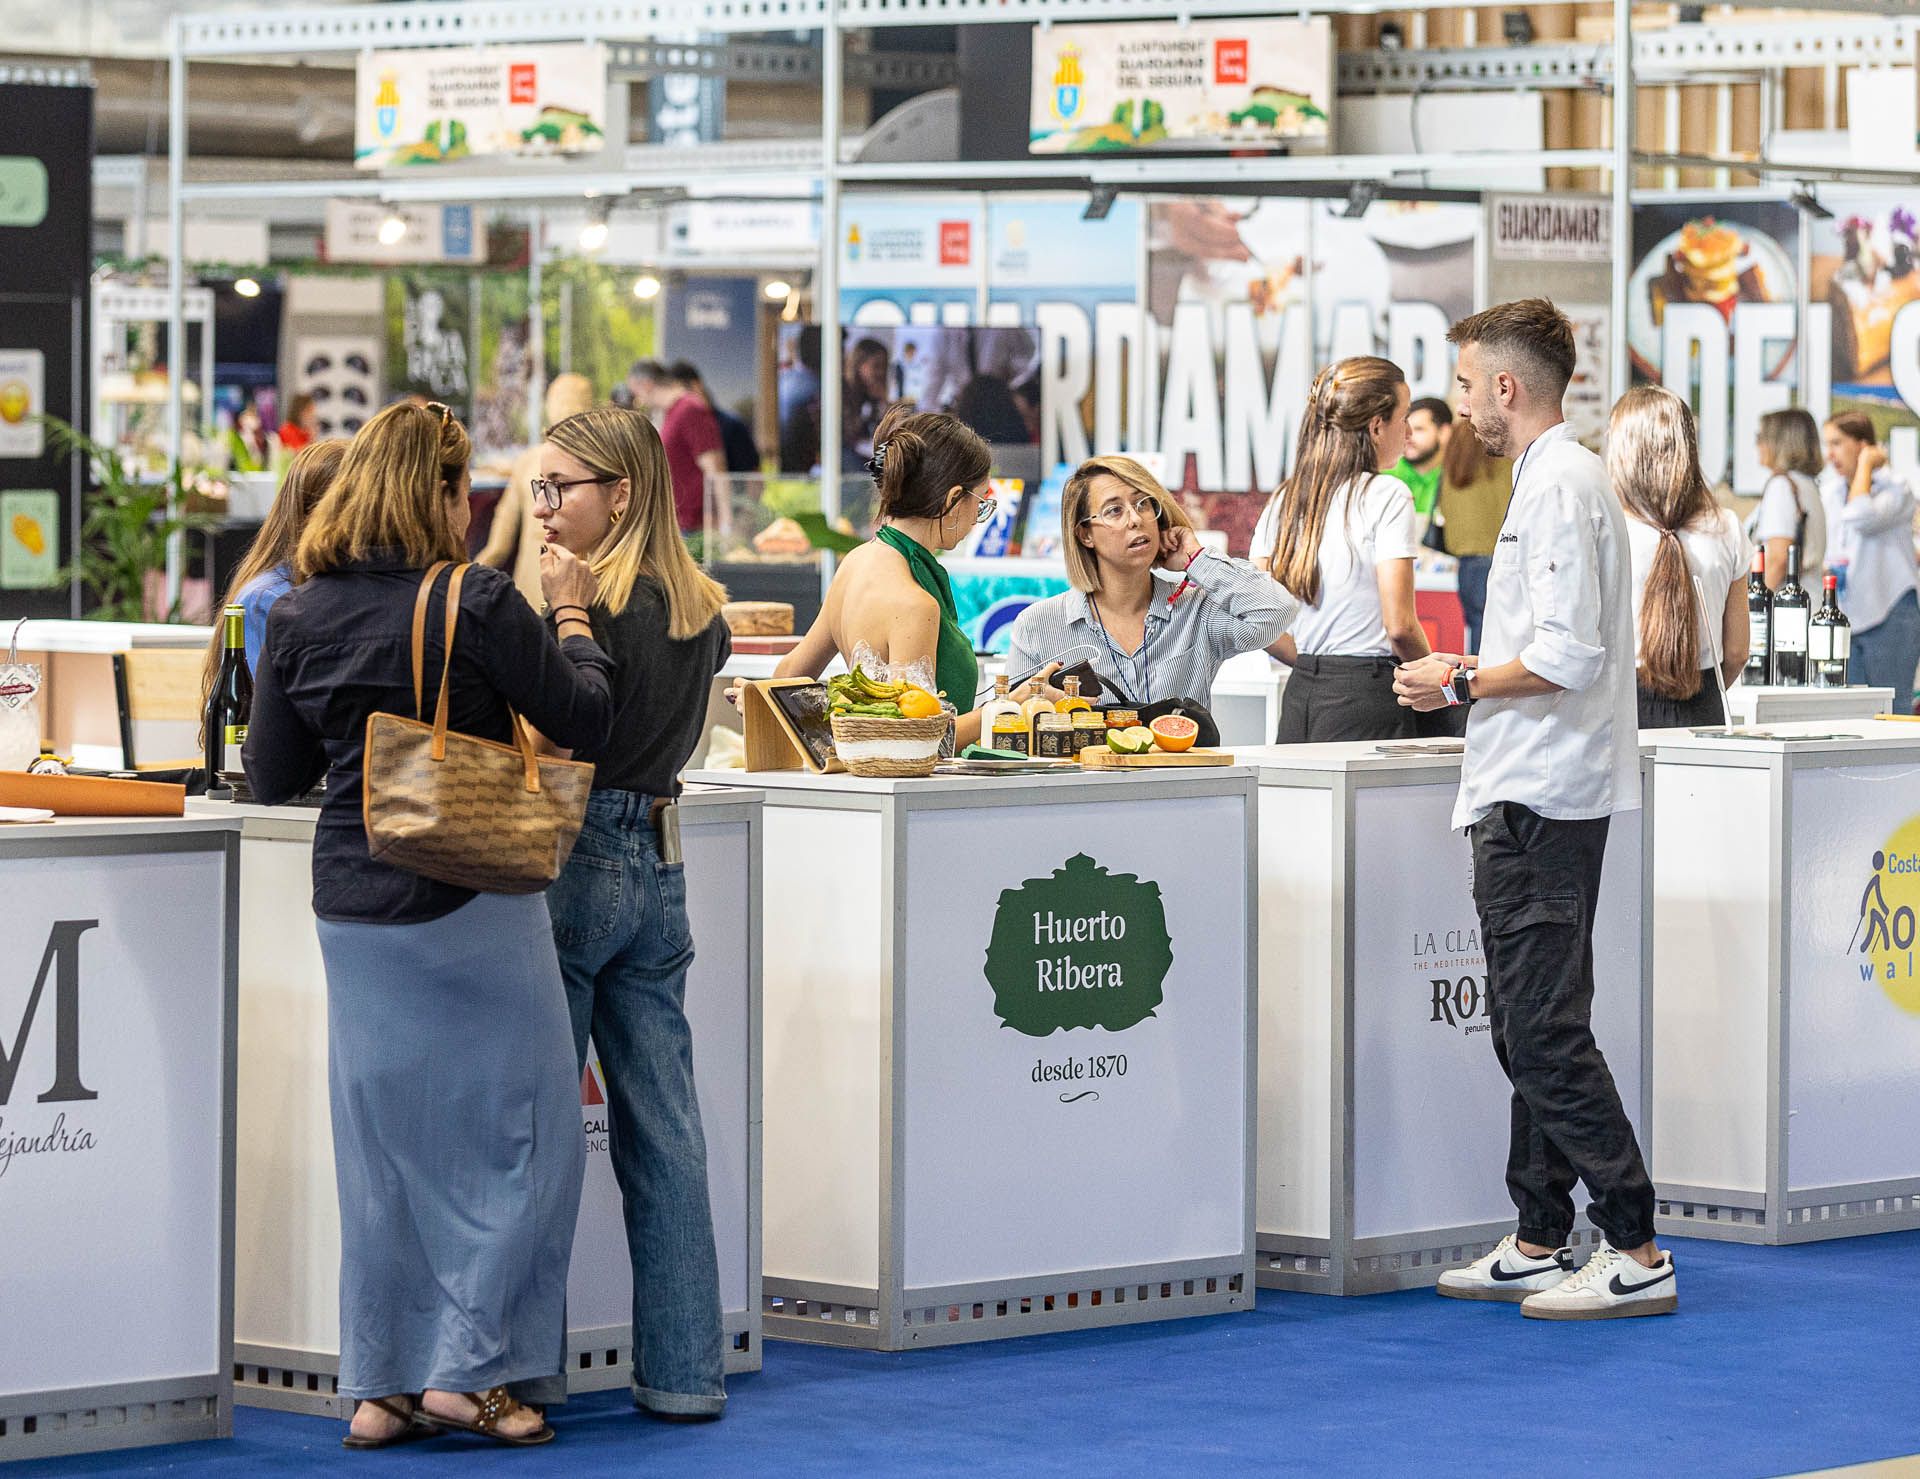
[455, 1100]
[620, 906]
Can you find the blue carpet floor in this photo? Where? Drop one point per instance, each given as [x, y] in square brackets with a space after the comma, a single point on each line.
[1780, 1360]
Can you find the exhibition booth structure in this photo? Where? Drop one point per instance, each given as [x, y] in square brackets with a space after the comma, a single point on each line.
[1783, 886]
[117, 1133]
[1009, 1071]
[1383, 1110]
[286, 1314]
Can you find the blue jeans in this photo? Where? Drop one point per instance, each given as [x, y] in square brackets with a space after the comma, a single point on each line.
[1885, 656]
[620, 925]
[1473, 594]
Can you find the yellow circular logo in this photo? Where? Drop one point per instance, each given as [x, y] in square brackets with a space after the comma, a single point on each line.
[14, 399]
[1889, 916]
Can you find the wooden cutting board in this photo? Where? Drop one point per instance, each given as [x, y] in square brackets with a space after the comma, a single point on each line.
[1099, 757]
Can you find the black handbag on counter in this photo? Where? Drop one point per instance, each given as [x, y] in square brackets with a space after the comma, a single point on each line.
[1209, 735]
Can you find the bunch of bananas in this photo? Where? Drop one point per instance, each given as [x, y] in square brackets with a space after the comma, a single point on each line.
[859, 693]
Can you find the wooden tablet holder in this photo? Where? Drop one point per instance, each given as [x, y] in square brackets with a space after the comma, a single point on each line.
[772, 742]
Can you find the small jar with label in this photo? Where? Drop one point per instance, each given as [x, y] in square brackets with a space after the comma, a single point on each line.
[1089, 728]
[1121, 718]
[1053, 737]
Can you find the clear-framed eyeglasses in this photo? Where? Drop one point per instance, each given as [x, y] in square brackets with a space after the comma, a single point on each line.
[1114, 514]
[985, 504]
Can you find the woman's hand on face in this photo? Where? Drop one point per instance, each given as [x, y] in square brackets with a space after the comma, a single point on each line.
[1178, 547]
[1873, 458]
[565, 579]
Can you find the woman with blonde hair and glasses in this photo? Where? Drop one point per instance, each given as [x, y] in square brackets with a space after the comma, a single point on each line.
[1689, 560]
[1341, 532]
[456, 1103]
[1159, 612]
[619, 908]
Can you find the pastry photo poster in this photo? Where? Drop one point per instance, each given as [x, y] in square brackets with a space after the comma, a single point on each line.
[1711, 312]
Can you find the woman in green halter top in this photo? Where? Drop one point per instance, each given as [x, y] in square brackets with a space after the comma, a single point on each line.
[892, 595]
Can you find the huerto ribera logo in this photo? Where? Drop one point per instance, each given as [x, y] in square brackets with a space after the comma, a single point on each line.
[1885, 935]
[61, 962]
[1082, 948]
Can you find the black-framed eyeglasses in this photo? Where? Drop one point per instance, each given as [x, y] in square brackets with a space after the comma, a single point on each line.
[547, 491]
[1114, 515]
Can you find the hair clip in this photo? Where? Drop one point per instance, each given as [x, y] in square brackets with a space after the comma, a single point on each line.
[877, 463]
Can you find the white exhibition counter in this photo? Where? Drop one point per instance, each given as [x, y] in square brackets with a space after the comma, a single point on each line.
[1784, 889]
[116, 1133]
[286, 1315]
[1383, 1110]
[1009, 1070]
[1768, 704]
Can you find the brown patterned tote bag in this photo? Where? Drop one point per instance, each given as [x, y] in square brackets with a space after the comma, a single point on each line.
[500, 819]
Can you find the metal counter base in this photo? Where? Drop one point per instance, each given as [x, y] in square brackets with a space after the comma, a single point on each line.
[1811, 1216]
[823, 1315]
[136, 1414]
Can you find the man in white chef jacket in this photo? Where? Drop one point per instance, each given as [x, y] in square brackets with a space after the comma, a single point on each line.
[1552, 753]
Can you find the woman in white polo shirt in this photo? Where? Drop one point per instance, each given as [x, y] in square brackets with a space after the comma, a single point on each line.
[1870, 543]
[1689, 559]
[1339, 535]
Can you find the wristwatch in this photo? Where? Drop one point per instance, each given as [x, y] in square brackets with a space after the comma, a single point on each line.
[1458, 688]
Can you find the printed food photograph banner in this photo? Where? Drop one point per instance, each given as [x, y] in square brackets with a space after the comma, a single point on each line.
[429, 106]
[1711, 312]
[427, 329]
[1248, 301]
[1239, 84]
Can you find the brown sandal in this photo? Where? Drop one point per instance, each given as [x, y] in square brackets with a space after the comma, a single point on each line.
[495, 1406]
[412, 1429]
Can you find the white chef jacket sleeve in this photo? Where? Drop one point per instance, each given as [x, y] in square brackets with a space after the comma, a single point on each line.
[1560, 542]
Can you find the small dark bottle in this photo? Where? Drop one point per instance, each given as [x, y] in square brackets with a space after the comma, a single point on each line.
[1792, 611]
[229, 704]
[1759, 669]
[1829, 639]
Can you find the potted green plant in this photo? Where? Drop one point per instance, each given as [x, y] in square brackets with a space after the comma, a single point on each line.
[124, 530]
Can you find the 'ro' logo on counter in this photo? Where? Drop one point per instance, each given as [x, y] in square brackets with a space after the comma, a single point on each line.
[63, 950]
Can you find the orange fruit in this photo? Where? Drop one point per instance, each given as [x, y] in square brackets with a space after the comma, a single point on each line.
[1174, 732]
[917, 703]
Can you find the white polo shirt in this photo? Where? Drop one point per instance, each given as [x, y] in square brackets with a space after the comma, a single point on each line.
[1368, 521]
[1559, 598]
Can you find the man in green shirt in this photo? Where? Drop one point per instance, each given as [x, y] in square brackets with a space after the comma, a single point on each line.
[1429, 424]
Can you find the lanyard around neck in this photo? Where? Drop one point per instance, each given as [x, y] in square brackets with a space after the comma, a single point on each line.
[1146, 640]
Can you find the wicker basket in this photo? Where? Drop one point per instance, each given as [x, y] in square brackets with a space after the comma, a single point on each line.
[854, 734]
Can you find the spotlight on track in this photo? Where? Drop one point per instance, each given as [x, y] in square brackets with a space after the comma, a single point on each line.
[1099, 201]
[1360, 195]
[593, 235]
[1807, 201]
[646, 287]
[246, 287]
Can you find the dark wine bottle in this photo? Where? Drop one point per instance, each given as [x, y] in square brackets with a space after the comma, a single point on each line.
[1829, 639]
[1792, 609]
[1759, 669]
[229, 703]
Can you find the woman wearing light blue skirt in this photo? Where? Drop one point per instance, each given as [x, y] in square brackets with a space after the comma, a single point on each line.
[456, 1110]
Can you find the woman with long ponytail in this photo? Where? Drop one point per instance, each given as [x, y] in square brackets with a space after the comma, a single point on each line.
[605, 494]
[1689, 559]
[1341, 537]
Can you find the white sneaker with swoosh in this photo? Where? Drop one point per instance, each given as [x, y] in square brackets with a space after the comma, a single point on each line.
[1611, 1286]
[1506, 1274]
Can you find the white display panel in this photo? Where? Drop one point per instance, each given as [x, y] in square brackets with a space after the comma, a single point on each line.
[1139, 1158]
[1853, 1045]
[1431, 1104]
[1712, 866]
[1297, 988]
[110, 1204]
[820, 1216]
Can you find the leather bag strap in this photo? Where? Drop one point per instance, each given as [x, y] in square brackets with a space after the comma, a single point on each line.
[529, 757]
[420, 633]
[440, 708]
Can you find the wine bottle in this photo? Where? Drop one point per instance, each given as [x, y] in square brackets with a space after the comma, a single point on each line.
[1792, 608]
[1759, 669]
[1829, 639]
[229, 703]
